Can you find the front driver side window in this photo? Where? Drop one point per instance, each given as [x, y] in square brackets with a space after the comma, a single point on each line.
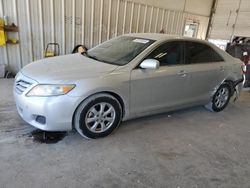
[170, 53]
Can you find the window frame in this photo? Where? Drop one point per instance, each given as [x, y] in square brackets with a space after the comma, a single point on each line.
[161, 44]
[207, 45]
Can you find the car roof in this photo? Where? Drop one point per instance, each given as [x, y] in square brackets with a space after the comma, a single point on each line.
[161, 37]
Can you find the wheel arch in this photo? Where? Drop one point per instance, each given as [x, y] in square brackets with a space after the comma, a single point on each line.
[115, 95]
[119, 98]
[230, 83]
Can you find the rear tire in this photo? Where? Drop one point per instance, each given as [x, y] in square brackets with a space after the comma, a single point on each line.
[98, 116]
[220, 99]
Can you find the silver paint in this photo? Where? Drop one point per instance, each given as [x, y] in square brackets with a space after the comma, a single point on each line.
[142, 91]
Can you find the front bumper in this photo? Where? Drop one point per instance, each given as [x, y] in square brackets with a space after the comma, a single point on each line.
[45, 113]
[57, 111]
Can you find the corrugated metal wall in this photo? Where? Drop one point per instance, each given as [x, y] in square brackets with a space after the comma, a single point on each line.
[89, 22]
[231, 18]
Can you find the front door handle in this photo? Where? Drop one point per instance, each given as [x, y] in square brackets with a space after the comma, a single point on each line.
[183, 73]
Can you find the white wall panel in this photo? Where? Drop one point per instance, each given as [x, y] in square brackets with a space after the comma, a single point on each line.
[231, 19]
[242, 25]
[200, 7]
[89, 22]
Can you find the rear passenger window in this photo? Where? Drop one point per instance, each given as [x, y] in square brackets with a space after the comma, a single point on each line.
[201, 53]
[170, 53]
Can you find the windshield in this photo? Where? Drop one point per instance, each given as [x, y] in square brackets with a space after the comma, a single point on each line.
[119, 51]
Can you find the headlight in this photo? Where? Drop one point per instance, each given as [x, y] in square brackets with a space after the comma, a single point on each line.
[49, 90]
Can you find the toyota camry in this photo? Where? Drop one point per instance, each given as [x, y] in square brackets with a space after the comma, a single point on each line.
[126, 77]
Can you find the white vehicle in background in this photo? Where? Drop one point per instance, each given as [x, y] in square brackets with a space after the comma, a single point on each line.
[127, 77]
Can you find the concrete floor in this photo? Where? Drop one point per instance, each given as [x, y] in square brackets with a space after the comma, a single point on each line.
[190, 148]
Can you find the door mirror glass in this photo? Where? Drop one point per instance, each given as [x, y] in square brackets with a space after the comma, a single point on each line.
[150, 64]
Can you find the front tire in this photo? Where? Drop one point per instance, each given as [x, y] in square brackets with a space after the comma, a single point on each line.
[220, 99]
[98, 116]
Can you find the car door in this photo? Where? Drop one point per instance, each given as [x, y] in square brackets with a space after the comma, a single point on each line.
[161, 88]
[206, 69]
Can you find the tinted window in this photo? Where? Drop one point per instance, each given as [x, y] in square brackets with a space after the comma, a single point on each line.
[170, 53]
[201, 53]
[120, 50]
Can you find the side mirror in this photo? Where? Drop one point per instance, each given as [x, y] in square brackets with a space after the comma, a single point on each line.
[150, 64]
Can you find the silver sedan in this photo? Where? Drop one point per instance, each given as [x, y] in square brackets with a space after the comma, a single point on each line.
[127, 77]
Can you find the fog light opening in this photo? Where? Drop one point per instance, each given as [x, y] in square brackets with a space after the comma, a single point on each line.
[41, 119]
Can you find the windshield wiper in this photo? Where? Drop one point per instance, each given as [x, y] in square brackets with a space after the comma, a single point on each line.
[95, 58]
[92, 57]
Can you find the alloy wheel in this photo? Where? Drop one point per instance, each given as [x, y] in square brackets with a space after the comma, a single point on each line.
[100, 117]
[221, 97]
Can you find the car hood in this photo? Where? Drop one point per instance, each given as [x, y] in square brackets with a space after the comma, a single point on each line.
[67, 67]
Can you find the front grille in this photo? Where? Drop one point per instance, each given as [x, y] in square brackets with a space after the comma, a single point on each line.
[22, 85]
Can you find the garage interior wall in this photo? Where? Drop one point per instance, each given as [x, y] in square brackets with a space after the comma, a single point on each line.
[231, 18]
[90, 22]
